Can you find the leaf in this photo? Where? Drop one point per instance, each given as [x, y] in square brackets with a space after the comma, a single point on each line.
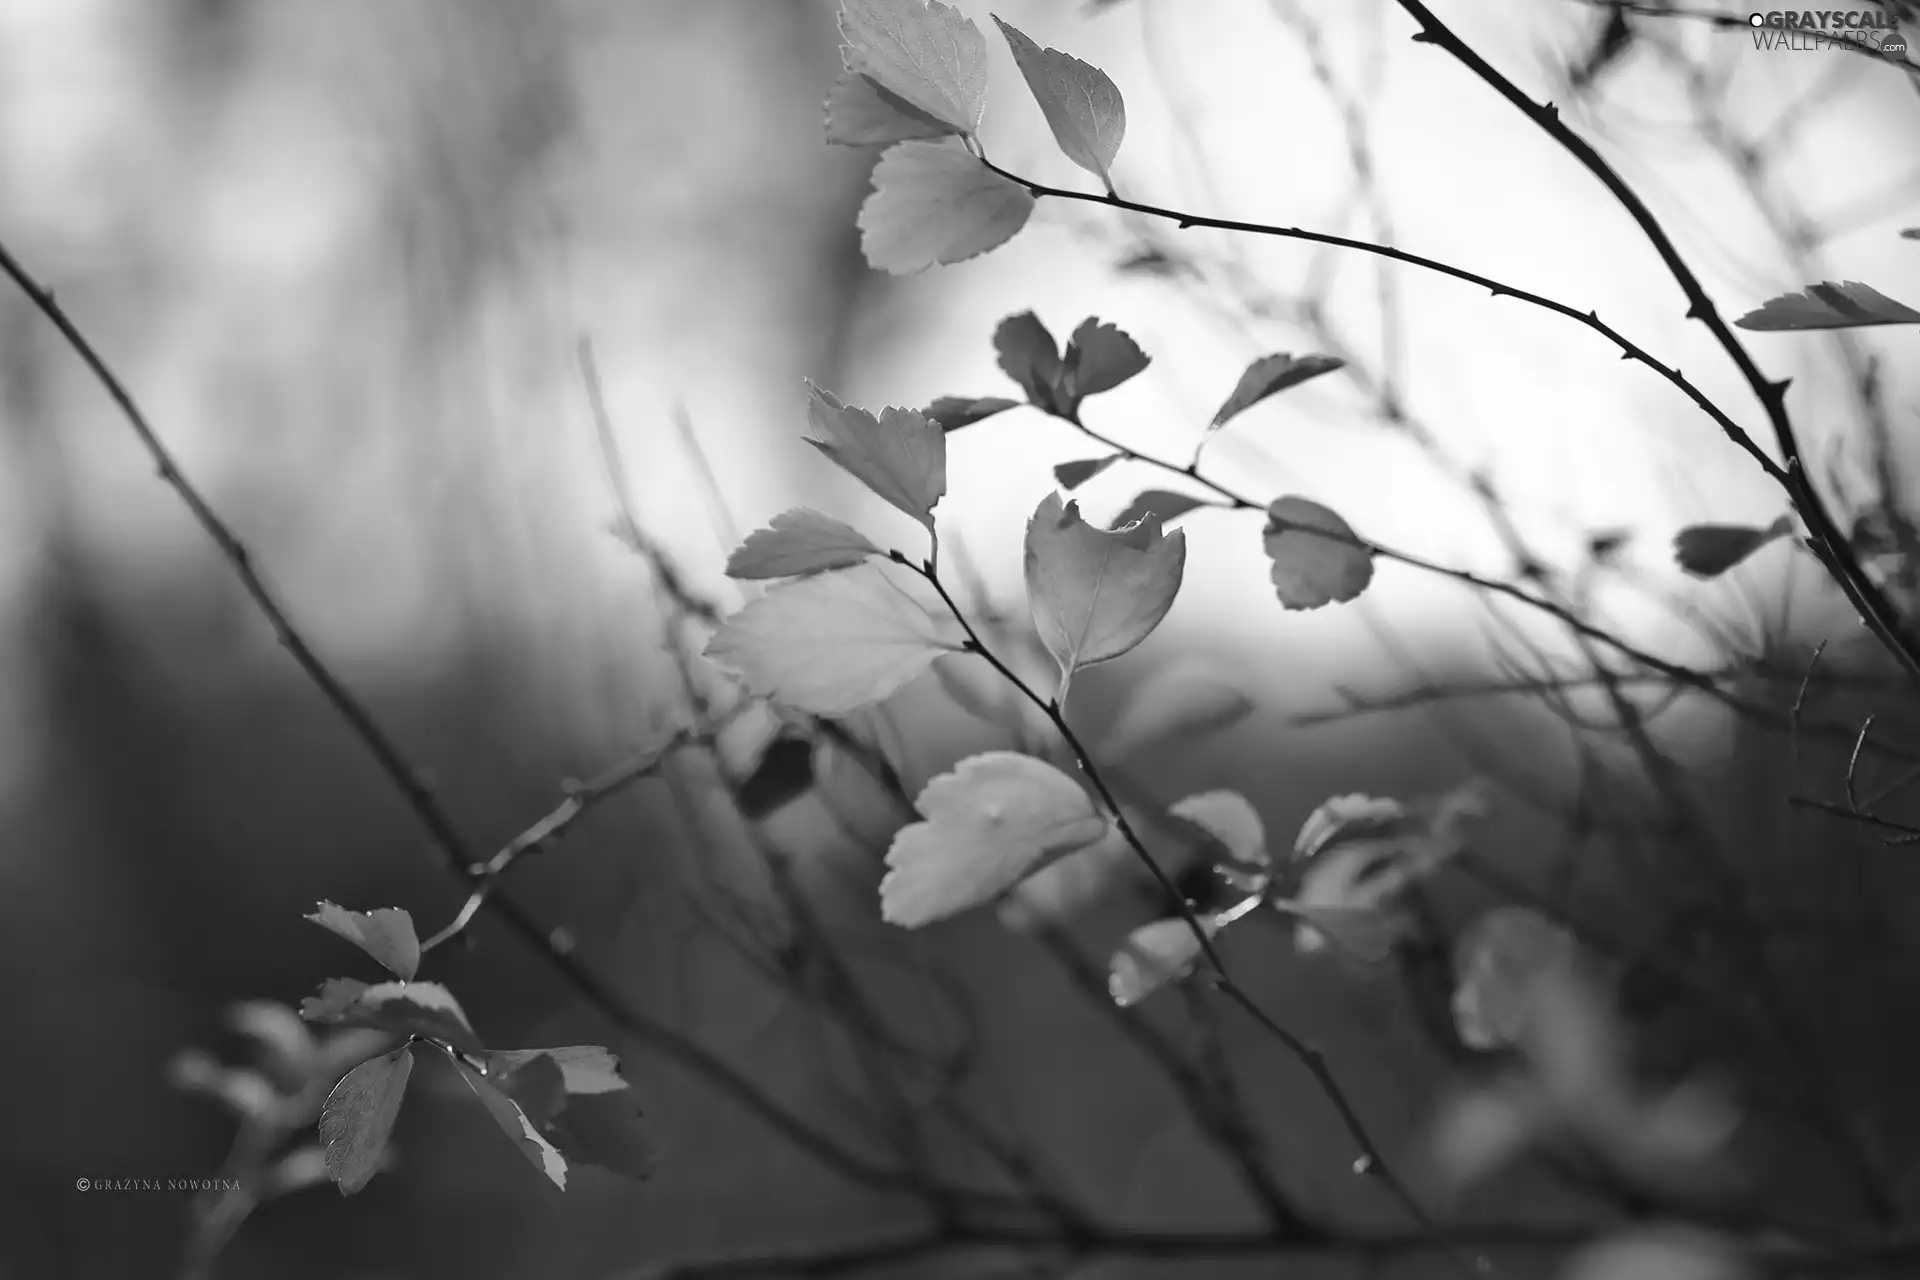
[992, 821]
[358, 1115]
[1096, 594]
[604, 1130]
[1311, 568]
[1849, 305]
[1709, 550]
[1910, 233]
[927, 54]
[513, 1122]
[1099, 357]
[784, 774]
[410, 1008]
[1072, 475]
[833, 643]
[1270, 375]
[934, 203]
[1181, 700]
[1229, 818]
[1366, 934]
[1083, 107]
[1165, 503]
[1343, 819]
[797, 542]
[1028, 355]
[900, 455]
[387, 935]
[862, 114]
[1153, 956]
[955, 412]
[1497, 965]
[584, 1068]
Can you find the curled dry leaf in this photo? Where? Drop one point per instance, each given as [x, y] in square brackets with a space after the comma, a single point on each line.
[994, 820]
[1317, 558]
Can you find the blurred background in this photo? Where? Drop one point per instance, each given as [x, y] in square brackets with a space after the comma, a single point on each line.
[345, 254]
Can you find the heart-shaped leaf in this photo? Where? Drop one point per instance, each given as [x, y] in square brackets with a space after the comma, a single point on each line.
[387, 935]
[935, 203]
[1849, 305]
[1096, 594]
[1317, 558]
[1083, 107]
[927, 54]
[797, 542]
[833, 643]
[899, 455]
[1709, 550]
[995, 819]
[358, 1115]
[1270, 375]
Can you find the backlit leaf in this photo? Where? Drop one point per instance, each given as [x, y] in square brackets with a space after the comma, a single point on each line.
[1096, 594]
[925, 53]
[1317, 558]
[1153, 956]
[1849, 305]
[995, 819]
[934, 203]
[1071, 475]
[1228, 817]
[1709, 550]
[358, 1115]
[1083, 107]
[1165, 503]
[1029, 355]
[899, 455]
[833, 643]
[387, 935]
[584, 1068]
[862, 114]
[1181, 700]
[797, 542]
[955, 412]
[1099, 357]
[1270, 375]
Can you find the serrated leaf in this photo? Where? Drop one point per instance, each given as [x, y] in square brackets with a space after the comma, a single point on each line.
[1317, 558]
[1848, 305]
[928, 54]
[955, 412]
[797, 542]
[860, 113]
[833, 643]
[387, 935]
[1095, 594]
[1228, 817]
[1181, 700]
[995, 819]
[1153, 956]
[934, 203]
[1099, 357]
[899, 455]
[1029, 355]
[357, 1117]
[584, 1068]
[1497, 965]
[1071, 475]
[513, 1122]
[1082, 105]
[1270, 375]
[409, 1008]
[1165, 503]
[1709, 550]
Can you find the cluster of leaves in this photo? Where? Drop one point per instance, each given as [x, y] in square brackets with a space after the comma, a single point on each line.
[557, 1105]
